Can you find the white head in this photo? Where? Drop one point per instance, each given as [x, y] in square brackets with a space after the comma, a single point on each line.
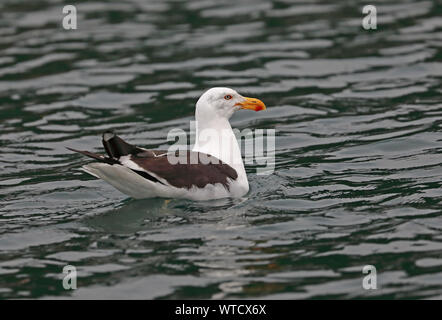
[220, 102]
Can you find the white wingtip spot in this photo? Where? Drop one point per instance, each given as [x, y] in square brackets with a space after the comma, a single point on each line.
[107, 136]
[91, 170]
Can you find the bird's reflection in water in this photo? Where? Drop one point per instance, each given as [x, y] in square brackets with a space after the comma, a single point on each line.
[133, 216]
[137, 215]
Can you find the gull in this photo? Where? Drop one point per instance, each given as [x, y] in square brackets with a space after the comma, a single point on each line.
[213, 169]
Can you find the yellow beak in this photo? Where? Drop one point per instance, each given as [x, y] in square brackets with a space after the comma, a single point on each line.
[252, 104]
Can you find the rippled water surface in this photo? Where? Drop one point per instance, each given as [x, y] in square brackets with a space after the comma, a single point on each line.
[358, 118]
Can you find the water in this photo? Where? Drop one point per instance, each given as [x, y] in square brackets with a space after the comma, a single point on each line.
[357, 182]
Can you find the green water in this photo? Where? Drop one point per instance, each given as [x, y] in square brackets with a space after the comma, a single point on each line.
[357, 182]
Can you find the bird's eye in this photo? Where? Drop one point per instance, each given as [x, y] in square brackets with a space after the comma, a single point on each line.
[228, 97]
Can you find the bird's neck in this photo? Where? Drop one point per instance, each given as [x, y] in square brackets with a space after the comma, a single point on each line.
[216, 137]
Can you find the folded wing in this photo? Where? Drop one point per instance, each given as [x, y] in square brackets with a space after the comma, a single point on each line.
[194, 170]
